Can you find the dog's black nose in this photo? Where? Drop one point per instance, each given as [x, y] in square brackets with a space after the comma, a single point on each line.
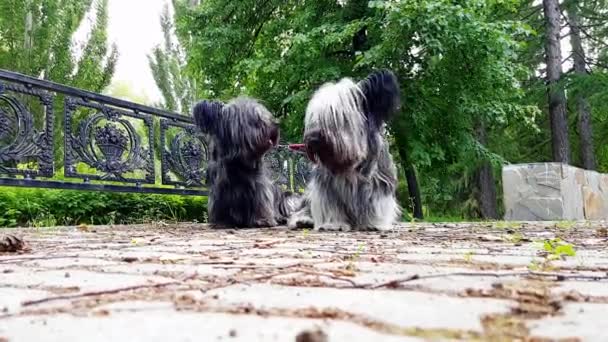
[313, 142]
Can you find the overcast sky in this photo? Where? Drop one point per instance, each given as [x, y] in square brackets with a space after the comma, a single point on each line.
[134, 25]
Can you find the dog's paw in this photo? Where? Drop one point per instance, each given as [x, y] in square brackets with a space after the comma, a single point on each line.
[334, 227]
[300, 223]
[368, 229]
[264, 223]
[383, 227]
[220, 226]
[281, 220]
[372, 228]
[305, 223]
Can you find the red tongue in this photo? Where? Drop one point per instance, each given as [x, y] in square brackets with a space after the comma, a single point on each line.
[301, 148]
[297, 147]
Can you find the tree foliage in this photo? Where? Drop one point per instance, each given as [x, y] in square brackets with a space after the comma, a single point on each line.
[457, 63]
[167, 64]
[36, 38]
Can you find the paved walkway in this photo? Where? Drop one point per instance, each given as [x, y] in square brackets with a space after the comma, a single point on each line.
[421, 282]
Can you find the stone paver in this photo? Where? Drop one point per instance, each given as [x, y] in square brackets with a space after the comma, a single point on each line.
[475, 281]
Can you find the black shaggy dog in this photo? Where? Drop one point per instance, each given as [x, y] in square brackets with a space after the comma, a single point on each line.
[241, 192]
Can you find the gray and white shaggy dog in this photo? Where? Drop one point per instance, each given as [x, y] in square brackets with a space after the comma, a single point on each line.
[354, 180]
[241, 193]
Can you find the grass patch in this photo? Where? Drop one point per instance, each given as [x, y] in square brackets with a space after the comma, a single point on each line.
[22, 207]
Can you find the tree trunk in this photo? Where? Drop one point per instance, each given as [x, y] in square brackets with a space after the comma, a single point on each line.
[556, 96]
[412, 181]
[486, 184]
[582, 106]
[414, 191]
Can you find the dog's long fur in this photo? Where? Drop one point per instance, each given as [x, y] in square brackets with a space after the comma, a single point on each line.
[354, 180]
[241, 193]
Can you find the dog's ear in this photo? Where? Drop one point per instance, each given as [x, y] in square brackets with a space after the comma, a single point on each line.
[206, 115]
[382, 94]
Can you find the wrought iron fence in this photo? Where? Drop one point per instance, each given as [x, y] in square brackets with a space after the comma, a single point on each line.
[107, 144]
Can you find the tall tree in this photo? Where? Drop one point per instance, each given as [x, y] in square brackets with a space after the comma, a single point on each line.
[484, 177]
[555, 91]
[594, 85]
[582, 105]
[167, 64]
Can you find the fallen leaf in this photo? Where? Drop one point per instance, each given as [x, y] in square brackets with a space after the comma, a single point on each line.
[129, 259]
[101, 313]
[490, 238]
[11, 244]
[312, 336]
[83, 228]
[169, 259]
[343, 272]
[266, 244]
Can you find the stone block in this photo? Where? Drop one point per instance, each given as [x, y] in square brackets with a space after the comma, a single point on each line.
[595, 200]
[554, 191]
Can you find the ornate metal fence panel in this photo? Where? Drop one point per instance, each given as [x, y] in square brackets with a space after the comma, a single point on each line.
[289, 169]
[184, 161]
[25, 149]
[107, 144]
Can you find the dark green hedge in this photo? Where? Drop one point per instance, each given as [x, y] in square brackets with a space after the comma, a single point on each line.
[44, 207]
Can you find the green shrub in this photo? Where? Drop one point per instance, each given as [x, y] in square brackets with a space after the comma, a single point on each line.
[44, 207]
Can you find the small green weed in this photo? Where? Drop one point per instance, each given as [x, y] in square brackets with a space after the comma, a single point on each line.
[43, 221]
[355, 257]
[468, 256]
[508, 225]
[558, 249]
[565, 224]
[554, 249]
[515, 237]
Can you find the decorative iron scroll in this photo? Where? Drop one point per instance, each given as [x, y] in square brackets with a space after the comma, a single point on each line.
[184, 155]
[21, 142]
[108, 144]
